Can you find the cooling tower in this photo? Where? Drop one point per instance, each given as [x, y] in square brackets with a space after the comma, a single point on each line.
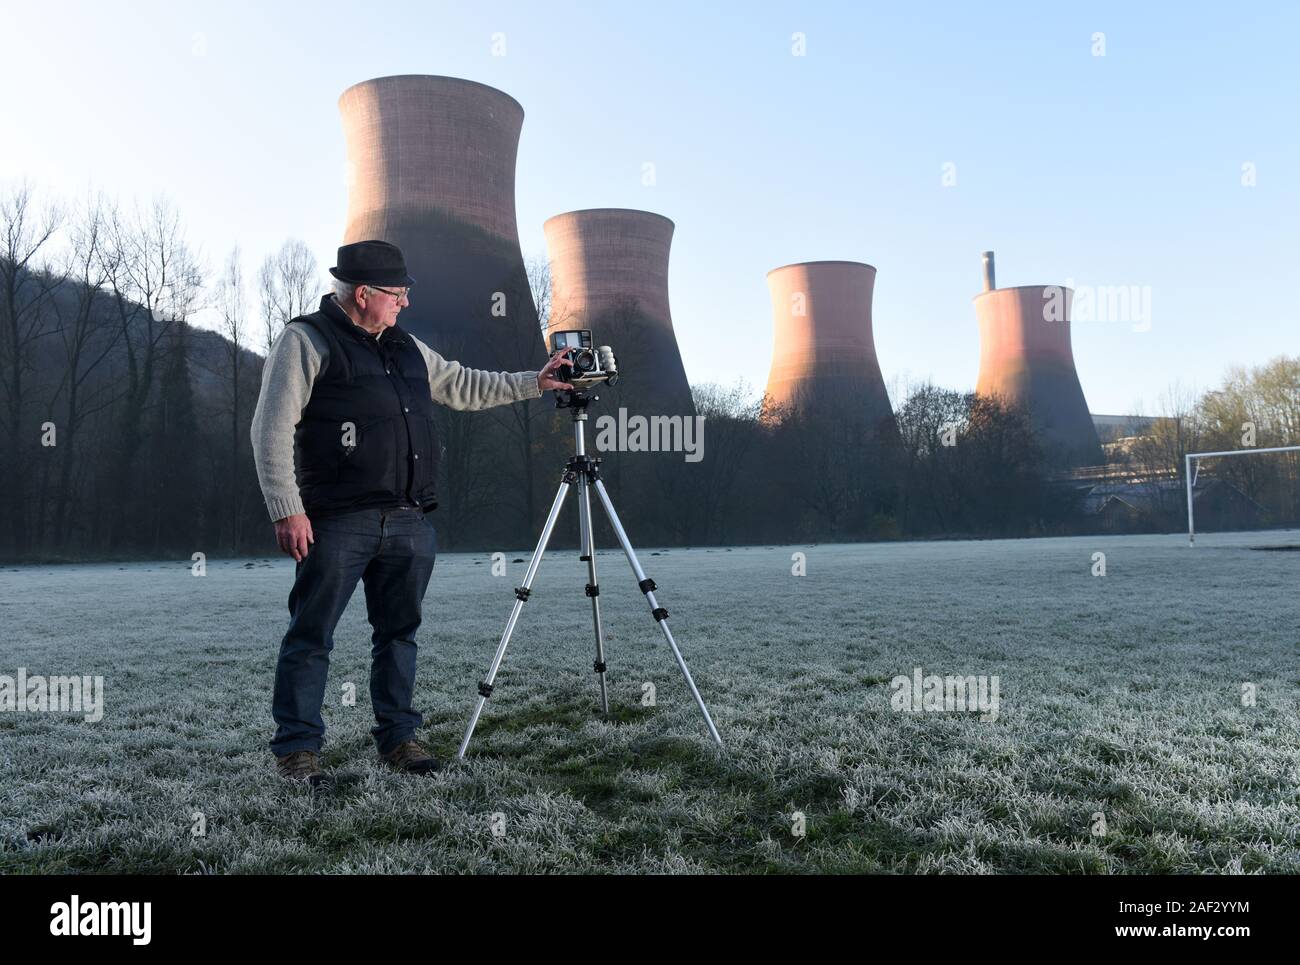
[824, 352]
[1026, 359]
[431, 169]
[609, 273]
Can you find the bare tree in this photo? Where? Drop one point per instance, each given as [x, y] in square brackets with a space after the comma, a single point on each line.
[88, 341]
[26, 290]
[155, 280]
[549, 314]
[288, 283]
[1256, 407]
[231, 303]
[731, 426]
[929, 423]
[1157, 453]
[516, 351]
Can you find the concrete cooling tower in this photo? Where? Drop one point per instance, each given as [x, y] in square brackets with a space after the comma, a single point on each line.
[824, 352]
[1026, 359]
[609, 273]
[431, 169]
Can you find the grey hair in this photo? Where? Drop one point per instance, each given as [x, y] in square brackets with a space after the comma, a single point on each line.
[344, 291]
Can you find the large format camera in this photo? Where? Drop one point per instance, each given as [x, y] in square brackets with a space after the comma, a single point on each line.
[587, 366]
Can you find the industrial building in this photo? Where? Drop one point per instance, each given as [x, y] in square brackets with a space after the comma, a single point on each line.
[1026, 360]
[824, 350]
[431, 169]
[609, 273]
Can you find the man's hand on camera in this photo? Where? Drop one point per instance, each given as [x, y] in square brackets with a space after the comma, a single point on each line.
[546, 379]
[293, 533]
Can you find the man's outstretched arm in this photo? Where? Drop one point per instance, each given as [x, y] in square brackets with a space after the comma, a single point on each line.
[459, 387]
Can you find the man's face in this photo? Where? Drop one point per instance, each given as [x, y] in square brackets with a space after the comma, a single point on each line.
[379, 307]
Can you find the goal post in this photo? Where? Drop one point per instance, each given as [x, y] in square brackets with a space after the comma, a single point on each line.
[1192, 465]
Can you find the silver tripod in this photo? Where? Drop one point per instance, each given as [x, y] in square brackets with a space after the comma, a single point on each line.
[585, 473]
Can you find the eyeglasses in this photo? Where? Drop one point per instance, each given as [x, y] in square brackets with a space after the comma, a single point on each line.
[400, 294]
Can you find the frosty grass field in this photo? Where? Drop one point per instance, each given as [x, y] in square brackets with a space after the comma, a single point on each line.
[1119, 694]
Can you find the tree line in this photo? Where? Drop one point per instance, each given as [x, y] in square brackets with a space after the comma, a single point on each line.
[1254, 408]
[125, 425]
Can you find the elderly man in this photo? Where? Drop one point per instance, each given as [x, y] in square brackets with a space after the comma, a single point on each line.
[347, 456]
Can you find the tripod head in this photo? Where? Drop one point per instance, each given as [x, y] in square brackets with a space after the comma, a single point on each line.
[577, 399]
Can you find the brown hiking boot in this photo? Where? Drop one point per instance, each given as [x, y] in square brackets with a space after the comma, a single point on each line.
[301, 766]
[410, 758]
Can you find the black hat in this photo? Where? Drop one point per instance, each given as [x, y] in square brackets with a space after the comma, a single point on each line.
[372, 263]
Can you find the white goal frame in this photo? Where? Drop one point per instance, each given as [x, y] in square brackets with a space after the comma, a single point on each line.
[1194, 468]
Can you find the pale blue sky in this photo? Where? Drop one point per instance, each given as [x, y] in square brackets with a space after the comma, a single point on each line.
[1117, 170]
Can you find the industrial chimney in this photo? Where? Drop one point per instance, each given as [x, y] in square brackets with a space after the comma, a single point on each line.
[823, 348]
[609, 273]
[431, 169]
[1026, 360]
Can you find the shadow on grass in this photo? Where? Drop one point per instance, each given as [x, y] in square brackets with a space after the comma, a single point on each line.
[569, 714]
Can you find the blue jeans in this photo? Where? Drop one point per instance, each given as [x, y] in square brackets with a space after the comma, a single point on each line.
[392, 552]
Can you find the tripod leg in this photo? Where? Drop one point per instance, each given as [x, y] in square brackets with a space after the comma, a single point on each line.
[660, 614]
[587, 541]
[521, 596]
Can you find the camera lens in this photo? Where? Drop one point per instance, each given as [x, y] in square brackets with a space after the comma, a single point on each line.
[584, 361]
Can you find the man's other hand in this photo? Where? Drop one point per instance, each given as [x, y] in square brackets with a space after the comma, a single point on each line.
[293, 533]
[546, 377]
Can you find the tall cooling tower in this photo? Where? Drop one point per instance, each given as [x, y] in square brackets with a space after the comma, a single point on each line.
[824, 352]
[431, 169]
[609, 273]
[1026, 359]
